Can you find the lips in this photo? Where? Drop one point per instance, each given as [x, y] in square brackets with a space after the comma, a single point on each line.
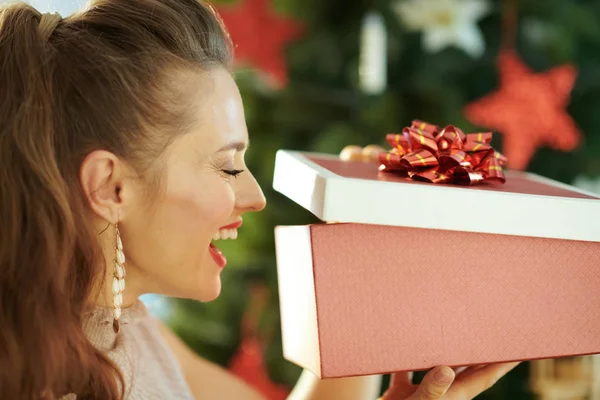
[217, 255]
[224, 232]
[234, 225]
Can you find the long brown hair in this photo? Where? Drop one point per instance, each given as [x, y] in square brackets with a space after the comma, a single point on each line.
[106, 78]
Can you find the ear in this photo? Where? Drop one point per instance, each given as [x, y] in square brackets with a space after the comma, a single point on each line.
[101, 177]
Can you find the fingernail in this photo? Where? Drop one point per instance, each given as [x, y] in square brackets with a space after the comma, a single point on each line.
[443, 376]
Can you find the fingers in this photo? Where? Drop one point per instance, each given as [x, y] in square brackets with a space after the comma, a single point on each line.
[401, 379]
[438, 383]
[459, 370]
[435, 384]
[473, 382]
[463, 372]
[401, 386]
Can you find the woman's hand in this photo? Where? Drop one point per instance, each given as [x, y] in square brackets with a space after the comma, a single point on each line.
[444, 383]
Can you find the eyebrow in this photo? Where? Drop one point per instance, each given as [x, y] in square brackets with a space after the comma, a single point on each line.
[237, 146]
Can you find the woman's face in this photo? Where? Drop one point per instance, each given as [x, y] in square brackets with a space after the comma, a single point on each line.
[168, 240]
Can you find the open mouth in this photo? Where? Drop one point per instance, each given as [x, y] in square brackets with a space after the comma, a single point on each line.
[224, 233]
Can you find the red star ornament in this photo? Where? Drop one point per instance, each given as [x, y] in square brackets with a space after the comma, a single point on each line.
[528, 109]
[259, 36]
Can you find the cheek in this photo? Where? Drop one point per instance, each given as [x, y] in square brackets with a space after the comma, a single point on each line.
[199, 209]
[168, 239]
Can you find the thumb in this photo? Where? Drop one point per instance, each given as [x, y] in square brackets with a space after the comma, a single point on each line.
[435, 384]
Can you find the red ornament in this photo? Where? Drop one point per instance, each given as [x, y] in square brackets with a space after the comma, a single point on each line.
[528, 109]
[248, 365]
[259, 36]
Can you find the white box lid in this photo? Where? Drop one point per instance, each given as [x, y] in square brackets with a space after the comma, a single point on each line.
[356, 192]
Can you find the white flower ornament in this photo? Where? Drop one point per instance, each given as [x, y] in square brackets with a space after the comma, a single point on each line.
[445, 23]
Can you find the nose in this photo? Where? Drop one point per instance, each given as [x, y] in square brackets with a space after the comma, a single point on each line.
[250, 197]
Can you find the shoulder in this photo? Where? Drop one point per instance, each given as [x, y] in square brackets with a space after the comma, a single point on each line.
[205, 379]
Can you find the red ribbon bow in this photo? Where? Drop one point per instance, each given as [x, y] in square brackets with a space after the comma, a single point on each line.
[426, 153]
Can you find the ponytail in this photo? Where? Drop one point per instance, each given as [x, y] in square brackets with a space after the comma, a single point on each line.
[43, 349]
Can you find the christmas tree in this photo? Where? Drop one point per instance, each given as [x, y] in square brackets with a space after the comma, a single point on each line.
[319, 75]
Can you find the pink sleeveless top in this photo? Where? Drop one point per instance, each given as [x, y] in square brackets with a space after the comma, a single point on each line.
[149, 368]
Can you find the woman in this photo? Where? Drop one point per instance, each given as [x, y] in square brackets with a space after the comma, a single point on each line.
[122, 142]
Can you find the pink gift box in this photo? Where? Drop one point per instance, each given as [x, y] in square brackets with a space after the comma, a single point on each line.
[412, 275]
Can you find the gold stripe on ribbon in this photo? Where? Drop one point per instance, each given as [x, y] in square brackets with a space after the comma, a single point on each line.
[421, 136]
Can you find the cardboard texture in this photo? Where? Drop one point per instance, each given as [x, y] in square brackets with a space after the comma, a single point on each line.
[361, 299]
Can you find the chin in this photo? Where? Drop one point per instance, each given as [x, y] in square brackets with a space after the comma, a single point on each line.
[207, 290]
[203, 284]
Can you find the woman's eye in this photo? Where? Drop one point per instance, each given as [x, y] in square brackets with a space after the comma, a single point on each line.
[233, 172]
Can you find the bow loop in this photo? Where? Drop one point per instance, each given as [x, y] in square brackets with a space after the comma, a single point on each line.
[427, 153]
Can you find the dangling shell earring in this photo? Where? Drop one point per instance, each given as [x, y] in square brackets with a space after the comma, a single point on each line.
[118, 284]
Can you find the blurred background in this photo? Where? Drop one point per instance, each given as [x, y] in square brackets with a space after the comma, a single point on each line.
[318, 75]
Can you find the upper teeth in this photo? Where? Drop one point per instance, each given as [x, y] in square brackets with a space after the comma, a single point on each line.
[225, 234]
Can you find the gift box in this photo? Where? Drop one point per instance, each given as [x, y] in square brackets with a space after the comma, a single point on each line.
[407, 275]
